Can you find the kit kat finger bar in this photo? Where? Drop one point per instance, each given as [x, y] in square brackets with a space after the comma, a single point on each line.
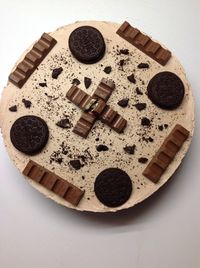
[54, 183]
[166, 153]
[32, 59]
[144, 43]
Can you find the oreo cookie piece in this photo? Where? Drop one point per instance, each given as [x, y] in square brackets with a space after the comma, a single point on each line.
[29, 134]
[87, 44]
[166, 90]
[113, 187]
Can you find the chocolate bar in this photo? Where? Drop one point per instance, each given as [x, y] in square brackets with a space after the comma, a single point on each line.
[52, 182]
[95, 107]
[144, 43]
[113, 119]
[104, 89]
[166, 153]
[32, 59]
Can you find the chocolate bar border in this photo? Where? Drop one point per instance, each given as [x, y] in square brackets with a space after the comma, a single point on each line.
[53, 182]
[144, 43]
[166, 153]
[32, 60]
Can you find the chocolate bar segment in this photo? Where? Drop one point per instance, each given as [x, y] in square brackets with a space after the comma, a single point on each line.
[166, 153]
[104, 89]
[113, 119]
[144, 43]
[84, 124]
[32, 59]
[53, 182]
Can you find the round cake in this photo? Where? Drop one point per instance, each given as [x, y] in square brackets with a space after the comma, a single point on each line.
[97, 116]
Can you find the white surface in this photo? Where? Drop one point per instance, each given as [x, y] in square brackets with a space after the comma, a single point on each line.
[162, 232]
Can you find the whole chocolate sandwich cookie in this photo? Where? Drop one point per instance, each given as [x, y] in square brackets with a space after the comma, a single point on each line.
[97, 116]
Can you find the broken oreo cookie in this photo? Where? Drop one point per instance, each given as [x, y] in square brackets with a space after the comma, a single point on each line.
[166, 90]
[113, 187]
[87, 44]
[29, 134]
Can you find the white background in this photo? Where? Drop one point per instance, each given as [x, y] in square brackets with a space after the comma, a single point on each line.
[163, 231]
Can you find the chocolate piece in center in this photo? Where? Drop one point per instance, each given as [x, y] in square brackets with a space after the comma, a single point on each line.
[113, 187]
[87, 44]
[95, 107]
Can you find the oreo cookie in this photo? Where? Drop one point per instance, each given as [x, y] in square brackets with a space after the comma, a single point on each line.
[113, 187]
[29, 134]
[166, 90]
[87, 44]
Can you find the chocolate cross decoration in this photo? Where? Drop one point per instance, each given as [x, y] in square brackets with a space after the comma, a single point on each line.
[94, 107]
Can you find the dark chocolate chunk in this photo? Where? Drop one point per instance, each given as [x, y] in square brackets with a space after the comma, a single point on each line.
[122, 63]
[13, 108]
[143, 65]
[145, 121]
[140, 106]
[124, 51]
[107, 69]
[142, 160]
[166, 125]
[166, 90]
[113, 187]
[29, 134]
[138, 91]
[76, 82]
[102, 147]
[56, 72]
[123, 103]
[87, 82]
[27, 103]
[131, 78]
[76, 164]
[87, 44]
[64, 123]
[43, 84]
[129, 149]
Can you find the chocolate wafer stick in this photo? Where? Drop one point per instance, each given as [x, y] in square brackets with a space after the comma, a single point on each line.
[144, 43]
[52, 182]
[32, 59]
[166, 153]
[95, 107]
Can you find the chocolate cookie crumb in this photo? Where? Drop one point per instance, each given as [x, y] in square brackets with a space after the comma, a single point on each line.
[56, 72]
[166, 125]
[129, 149]
[143, 65]
[13, 108]
[140, 106]
[160, 127]
[97, 139]
[142, 160]
[138, 91]
[76, 82]
[131, 78]
[145, 121]
[76, 164]
[123, 103]
[64, 123]
[43, 84]
[27, 103]
[87, 82]
[107, 69]
[101, 148]
[124, 51]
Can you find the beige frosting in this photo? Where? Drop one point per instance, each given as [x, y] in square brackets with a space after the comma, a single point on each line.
[51, 109]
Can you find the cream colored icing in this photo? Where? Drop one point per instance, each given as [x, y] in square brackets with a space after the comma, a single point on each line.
[115, 156]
